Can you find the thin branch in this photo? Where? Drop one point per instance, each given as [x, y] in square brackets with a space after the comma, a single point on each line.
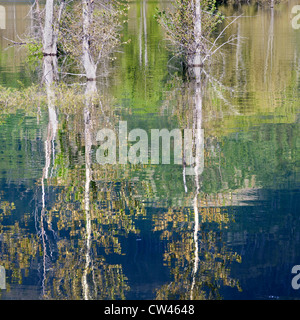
[15, 43]
[218, 82]
[39, 17]
[232, 107]
[73, 74]
[229, 41]
[222, 32]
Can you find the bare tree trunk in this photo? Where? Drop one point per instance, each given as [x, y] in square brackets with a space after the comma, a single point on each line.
[49, 43]
[198, 32]
[50, 35]
[87, 59]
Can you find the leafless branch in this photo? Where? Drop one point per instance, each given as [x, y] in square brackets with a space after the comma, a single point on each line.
[15, 43]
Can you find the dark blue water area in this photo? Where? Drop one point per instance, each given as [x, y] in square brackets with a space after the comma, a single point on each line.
[265, 233]
[143, 262]
[267, 236]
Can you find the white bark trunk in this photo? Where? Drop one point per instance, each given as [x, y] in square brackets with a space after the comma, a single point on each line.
[87, 59]
[50, 34]
[49, 43]
[197, 30]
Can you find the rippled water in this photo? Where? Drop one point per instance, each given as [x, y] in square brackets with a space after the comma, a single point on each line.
[139, 238]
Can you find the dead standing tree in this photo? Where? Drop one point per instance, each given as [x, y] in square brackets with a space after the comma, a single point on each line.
[88, 62]
[83, 34]
[48, 20]
[89, 34]
[190, 26]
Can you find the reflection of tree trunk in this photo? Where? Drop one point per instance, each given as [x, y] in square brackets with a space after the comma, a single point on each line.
[90, 91]
[241, 78]
[90, 68]
[50, 74]
[49, 71]
[88, 144]
[198, 140]
[238, 51]
[145, 32]
[196, 252]
[140, 37]
[269, 54]
[43, 236]
[49, 149]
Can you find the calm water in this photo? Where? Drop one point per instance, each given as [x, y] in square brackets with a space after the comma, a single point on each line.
[139, 238]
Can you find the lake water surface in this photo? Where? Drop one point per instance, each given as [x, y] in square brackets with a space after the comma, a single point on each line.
[147, 232]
